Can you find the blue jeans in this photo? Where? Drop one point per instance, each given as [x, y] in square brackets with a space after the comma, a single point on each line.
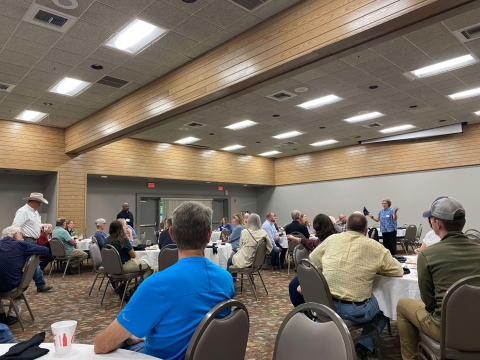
[47, 259]
[276, 253]
[38, 275]
[295, 297]
[6, 336]
[138, 347]
[362, 314]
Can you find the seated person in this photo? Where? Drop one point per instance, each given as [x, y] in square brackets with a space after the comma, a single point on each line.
[249, 238]
[14, 253]
[70, 228]
[182, 294]
[69, 244]
[225, 225]
[350, 262]
[119, 241]
[438, 267]
[295, 225]
[334, 222]
[165, 239]
[234, 238]
[44, 240]
[430, 239]
[323, 229]
[341, 222]
[134, 233]
[6, 337]
[128, 231]
[100, 235]
[271, 230]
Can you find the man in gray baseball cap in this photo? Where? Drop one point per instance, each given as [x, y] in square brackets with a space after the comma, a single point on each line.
[439, 267]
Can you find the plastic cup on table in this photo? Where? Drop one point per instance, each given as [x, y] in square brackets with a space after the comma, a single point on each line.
[63, 333]
[219, 242]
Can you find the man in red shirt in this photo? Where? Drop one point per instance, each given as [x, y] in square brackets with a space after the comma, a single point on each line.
[44, 240]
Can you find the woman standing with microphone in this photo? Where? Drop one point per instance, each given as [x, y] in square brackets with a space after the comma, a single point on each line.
[388, 225]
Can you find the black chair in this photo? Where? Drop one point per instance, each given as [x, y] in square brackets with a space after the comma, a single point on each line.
[167, 256]
[59, 256]
[300, 253]
[19, 292]
[409, 238]
[96, 257]
[205, 344]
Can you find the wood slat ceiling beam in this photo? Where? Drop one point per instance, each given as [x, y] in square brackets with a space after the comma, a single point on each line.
[307, 32]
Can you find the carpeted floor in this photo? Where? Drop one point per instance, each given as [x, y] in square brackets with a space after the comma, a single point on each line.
[70, 301]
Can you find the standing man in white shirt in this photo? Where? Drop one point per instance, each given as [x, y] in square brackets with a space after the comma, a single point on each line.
[28, 219]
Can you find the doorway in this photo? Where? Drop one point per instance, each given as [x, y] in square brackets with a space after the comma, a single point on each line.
[220, 210]
[150, 218]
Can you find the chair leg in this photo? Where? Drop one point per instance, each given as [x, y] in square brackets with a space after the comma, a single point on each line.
[253, 288]
[261, 278]
[241, 285]
[66, 267]
[103, 297]
[377, 340]
[253, 280]
[125, 292]
[288, 257]
[51, 267]
[12, 304]
[94, 281]
[28, 307]
[104, 275]
[388, 326]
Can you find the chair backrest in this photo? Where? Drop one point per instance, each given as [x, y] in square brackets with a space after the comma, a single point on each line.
[299, 337]
[259, 257]
[112, 263]
[292, 244]
[461, 316]
[95, 255]
[473, 235]
[205, 344]
[136, 242]
[167, 256]
[57, 248]
[28, 272]
[419, 232]
[142, 237]
[410, 233]
[298, 234]
[314, 286]
[300, 252]
[225, 232]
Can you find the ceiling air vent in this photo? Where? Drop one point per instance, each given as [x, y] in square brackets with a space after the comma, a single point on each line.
[289, 143]
[197, 146]
[372, 125]
[249, 5]
[469, 33]
[6, 87]
[49, 18]
[112, 82]
[194, 124]
[281, 96]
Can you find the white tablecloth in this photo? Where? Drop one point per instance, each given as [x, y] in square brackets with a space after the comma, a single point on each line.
[388, 290]
[84, 244]
[283, 241]
[83, 351]
[215, 236]
[149, 256]
[400, 232]
[221, 258]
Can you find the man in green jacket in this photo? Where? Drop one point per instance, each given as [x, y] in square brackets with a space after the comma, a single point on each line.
[439, 267]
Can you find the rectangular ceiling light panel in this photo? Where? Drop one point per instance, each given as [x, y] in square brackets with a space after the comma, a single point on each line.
[288, 135]
[444, 66]
[69, 87]
[363, 117]
[31, 116]
[233, 147]
[397, 128]
[465, 94]
[187, 140]
[241, 125]
[325, 142]
[270, 153]
[135, 36]
[325, 100]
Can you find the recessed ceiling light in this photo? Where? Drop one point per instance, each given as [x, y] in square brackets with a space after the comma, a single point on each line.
[47, 104]
[373, 87]
[233, 147]
[276, 115]
[477, 113]
[70, 87]
[413, 106]
[31, 116]
[269, 153]
[66, 4]
[257, 142]
[444, 66]
[245, 185]
[294, 149]
[325, 142]
[465, 94]
[208, 182]
[97, 67]
[325, 100]
[288, 135]
[322, 127]
[211, 134]
[301, 89]
[241, 125]
[369, 116]
[189, 1]
[442, 120]
[357, 137]
[135, 36]
[104, 176]
[187, 140]
[397, 128]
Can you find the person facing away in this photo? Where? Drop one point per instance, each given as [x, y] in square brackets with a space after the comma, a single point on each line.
[438, 267]
[350, 262]
[295, 225]
[126, 214]
[180, 295]
[165, 239]
[69, 244]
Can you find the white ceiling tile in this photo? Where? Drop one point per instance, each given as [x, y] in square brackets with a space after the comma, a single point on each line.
[20, 98]
[110, 56]
[43, 76]
[139, 65]
[53, 67]
[159, 71]
[84, 30]
[85, 75]
[175, 42]
[392, 45]
[9, 79]
[12, 69]
[197, 28]
[463, 20]
[272, 8]
[439, 43]
[218, 38]
[101, 90]
[360, 57]
[37, 34]
[222, 13]
[8, 25]
[427, 33]
[26, 91]
[447, 54]
[189, 7]
[128, 6]
[125, 74]
[86, 65]
[196, 51]
[26, 47]
[145, 79]
[156, 54]
[13, 104]
[16, 58]
[97, 13]
[15, 8]
[77, 46]
[63, 57]
[244, 24]
[164, 15]
[177, 61]
[333, 66]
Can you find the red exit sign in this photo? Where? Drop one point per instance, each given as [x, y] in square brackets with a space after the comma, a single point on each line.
[151, 185]
[220, 188]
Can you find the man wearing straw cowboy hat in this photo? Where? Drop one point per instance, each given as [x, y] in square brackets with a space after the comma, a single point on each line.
[28, 219]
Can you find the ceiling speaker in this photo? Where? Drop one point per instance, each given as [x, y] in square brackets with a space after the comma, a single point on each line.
[66, 4]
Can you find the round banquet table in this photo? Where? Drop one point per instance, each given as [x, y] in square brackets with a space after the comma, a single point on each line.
[388, 290]
[84, 244]
[215, 236]
[220, 259]
[83, 351]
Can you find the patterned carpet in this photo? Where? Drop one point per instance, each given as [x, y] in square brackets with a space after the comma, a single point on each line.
[70, 301]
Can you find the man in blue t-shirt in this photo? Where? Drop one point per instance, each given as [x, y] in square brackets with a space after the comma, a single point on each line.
[168, 306]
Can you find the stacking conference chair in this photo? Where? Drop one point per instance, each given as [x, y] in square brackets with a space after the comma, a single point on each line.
[205, 344]
[113, 267]
[300, 252]
[19, 292]
[96, 257]
[315, 289]
[59, 256]
[460, 324]
[418, 236]
[409, 239]
[473, 235]
[290, 254]
[167, 256]
[254, 269]
[301, 337]
[224, 233]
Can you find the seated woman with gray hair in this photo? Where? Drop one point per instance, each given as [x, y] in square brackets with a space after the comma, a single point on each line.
[99, 235]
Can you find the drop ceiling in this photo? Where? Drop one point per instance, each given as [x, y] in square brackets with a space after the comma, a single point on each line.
[421, 102]
[34, 58]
